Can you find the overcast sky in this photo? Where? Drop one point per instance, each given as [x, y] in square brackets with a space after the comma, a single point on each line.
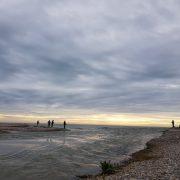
[89, 56]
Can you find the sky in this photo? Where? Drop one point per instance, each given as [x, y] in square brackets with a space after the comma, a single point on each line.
[89, 61]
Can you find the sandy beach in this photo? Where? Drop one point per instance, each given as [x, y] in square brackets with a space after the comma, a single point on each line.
[160, 160]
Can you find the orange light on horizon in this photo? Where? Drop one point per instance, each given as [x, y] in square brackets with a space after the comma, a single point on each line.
[99, 119]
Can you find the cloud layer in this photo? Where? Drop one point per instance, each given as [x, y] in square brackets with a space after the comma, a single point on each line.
[89, 56]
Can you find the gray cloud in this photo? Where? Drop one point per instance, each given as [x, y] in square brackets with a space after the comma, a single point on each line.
[106, 56]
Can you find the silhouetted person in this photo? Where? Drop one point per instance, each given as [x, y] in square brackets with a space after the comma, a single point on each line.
[52, 123]
[173, 123]
[49, 123]
[37, 123]
[65, 124]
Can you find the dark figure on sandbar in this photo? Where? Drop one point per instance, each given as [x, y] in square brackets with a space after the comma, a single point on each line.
[37, 123]
[49, 123]
[173, 123]
[65, 124]
[52, 123]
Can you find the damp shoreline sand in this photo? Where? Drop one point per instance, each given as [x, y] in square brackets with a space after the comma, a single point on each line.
[159, 160]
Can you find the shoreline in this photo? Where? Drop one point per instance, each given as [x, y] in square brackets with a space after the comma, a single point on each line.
[160, 159]
[22, 127]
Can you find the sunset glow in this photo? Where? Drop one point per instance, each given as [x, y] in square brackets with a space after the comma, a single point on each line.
[90, 62]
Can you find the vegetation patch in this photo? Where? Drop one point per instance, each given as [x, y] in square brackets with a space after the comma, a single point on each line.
[107, 167]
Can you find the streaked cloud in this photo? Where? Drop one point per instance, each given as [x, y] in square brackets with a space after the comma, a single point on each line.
[90, 57]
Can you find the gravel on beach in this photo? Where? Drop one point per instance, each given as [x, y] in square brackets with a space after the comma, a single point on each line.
[160, 160]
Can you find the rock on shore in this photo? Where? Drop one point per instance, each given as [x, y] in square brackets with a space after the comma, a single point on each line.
[160, 160]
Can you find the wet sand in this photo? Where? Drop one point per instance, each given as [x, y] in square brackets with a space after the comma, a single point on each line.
[159, 160]
[8, 127]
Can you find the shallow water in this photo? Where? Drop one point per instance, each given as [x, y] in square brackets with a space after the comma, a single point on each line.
[63, 155]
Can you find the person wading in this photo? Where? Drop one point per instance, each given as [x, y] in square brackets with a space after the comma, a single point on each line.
[64, 124]
[49, 123]
[37, 123]
[52, 123]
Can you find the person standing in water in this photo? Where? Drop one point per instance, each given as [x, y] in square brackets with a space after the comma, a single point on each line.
[49, 123]
[37, 123]
[65, 124]
[173, 123]
[52, 123]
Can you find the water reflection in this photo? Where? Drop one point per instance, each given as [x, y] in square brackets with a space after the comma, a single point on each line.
[49, 140]
[61, 140]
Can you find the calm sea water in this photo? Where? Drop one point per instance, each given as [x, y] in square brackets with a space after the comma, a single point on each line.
[63, 155]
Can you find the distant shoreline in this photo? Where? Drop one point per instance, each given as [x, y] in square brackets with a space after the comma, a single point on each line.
[159, 160]
[23, 127]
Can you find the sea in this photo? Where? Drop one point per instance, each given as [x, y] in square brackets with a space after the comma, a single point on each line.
[67, 155]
